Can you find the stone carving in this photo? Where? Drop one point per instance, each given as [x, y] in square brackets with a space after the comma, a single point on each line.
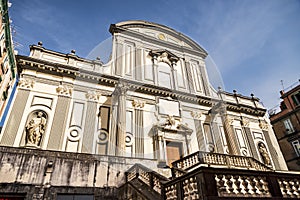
[121, 88]
[245, 122]
[172, 123]
[164, 58]
[64, 90]
[196, 115]
[138, 104]
[264, 154]
[263, 125]
[35, 129]
[26, 83]
[93, 96]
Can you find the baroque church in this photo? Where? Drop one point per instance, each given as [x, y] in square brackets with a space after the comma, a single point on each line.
[145, 125]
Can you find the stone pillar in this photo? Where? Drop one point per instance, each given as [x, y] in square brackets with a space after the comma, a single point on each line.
[113, 129]
[245, 125]
[139, 128]
[189, 76]
[199, 131]
[272, 150]
[230, 135]
[120, 91]
[16, 114]
[161, 150]
[60, 117]
[90, 122]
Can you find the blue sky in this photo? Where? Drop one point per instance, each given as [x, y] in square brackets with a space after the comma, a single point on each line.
[255, 44]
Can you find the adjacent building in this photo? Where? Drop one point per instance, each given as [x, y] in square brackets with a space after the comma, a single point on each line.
[145, 125]
[7, 61]
[286, 125]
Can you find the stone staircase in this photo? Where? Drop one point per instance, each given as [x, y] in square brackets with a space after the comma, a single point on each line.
[212, 176]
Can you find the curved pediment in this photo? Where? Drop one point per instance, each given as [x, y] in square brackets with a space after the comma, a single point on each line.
[158, 32]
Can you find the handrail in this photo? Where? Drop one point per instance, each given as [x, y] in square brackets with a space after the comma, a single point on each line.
[197, 158]
[151, 178]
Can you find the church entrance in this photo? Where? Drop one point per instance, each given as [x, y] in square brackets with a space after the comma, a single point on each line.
[174, 151]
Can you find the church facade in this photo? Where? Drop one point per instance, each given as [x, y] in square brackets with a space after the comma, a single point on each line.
[77, 125]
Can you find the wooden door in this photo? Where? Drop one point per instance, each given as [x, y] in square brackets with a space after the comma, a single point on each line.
[174, 151]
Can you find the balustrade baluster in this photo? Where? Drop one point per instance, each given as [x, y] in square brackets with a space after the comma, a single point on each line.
[229, 184]
[245, 184]
[221, 185]
[237, 183]
[253, 184]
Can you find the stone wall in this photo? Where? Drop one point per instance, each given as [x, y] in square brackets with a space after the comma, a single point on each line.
[32, 171]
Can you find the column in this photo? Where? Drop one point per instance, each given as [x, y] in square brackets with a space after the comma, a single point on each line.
[139, 127]
[90, 122]
[15, 116]
[60, 117]
[230, 135]
[120, 91]
[245, 125]
[161, 150]
[113, 129]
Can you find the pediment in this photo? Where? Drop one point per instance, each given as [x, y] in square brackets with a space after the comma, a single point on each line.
[158, 32]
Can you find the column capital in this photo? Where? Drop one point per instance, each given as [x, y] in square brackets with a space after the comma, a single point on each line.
[93, 96]
[138, 104]
[26, 83]
[121, 88]
[64, 90]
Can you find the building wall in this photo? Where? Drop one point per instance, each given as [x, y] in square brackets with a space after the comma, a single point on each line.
[7, 62]
[286, 125]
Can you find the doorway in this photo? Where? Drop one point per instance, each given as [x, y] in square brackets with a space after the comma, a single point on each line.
[174, 151]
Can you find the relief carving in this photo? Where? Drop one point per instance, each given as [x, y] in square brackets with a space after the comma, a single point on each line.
[93, 96]
[138, 104]
[196, 115]
[64, 90]
[35, 129]
[263, 125]
[245, 122]
[26, 83]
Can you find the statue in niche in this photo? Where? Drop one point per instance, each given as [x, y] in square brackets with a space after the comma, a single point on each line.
[35, 129]
[264, 154]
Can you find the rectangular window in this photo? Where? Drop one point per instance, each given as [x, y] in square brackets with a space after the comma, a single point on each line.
[296, 145]
[288, 126]
[296, 99]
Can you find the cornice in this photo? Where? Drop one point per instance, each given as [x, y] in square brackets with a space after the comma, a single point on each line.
[112, 81]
